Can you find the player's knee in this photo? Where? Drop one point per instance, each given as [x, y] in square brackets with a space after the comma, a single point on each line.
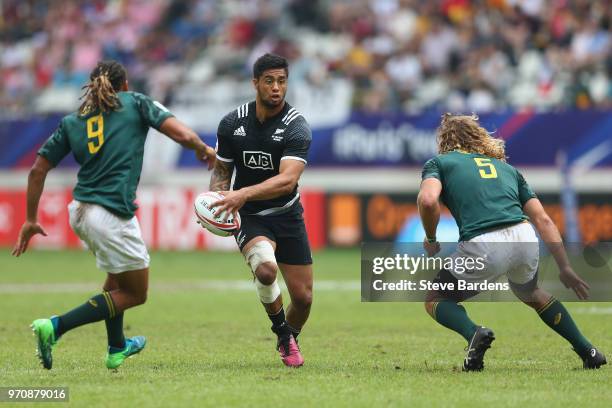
[266, 273]
[303, 300]
[139, 297]
[262, 261]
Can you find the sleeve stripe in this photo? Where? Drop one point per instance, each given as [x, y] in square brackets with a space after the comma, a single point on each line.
[243, 110]
[288, 114]
[293, 158]
[289, 118]
[293, 118]
[223, 159]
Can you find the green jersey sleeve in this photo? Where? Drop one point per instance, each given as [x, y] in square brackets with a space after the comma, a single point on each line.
[525, 192]
[432, 169]
[153, 113]
[57, 146]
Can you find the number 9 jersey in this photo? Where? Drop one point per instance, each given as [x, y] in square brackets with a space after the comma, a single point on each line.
[482, 193]
[109, 148]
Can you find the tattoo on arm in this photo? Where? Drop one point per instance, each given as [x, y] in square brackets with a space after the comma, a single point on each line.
[221, 178]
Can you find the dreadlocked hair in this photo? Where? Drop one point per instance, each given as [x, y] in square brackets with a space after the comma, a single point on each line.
[101, 91]
[464, 133]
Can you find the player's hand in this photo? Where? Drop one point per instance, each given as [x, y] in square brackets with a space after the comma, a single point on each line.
[207, 155]
[571, 280]
[431, 248]
[28, 230]
[231, 203]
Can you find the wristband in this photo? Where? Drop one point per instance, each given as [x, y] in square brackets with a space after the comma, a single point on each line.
[432, 240]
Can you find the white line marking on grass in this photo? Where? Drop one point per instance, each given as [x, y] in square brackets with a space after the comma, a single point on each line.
[174, 286]
[592, 310]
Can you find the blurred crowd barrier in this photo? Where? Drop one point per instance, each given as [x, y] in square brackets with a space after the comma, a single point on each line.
[361, 140]
[332, 219]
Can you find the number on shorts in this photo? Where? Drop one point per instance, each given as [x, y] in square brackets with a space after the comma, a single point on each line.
[486, 165]
[96, 136]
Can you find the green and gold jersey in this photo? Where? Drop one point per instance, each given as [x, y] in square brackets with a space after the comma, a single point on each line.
[109, 148]
[481, 193]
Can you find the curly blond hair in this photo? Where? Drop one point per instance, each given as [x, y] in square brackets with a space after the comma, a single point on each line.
[101, 92]
[464, 133]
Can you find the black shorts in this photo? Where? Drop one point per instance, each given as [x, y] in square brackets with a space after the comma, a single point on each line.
[287, 230]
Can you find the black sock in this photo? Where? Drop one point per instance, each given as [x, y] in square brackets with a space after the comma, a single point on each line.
[99, 307]
[279, 324]
[294, 331]
[114, 331]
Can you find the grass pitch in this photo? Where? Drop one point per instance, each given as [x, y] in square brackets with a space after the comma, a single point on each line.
[210, 344]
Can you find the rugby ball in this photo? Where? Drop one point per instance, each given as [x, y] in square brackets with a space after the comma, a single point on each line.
[211, 219]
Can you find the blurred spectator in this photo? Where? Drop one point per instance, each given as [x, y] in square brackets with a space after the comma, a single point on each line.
[407, 55]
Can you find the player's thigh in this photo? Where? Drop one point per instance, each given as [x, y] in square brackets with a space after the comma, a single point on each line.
[292, 246]
[116, 242]
[253, 230]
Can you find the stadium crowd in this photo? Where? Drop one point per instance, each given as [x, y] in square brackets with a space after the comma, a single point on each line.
[409, 55]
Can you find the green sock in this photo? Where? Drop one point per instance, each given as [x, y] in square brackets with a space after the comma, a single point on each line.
[114, 331]
[99, 307]
[556, 316]
[453, 316]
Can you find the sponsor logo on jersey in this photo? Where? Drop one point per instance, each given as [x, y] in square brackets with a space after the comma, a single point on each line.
[277, 136]
[258, 160]
[240, 131]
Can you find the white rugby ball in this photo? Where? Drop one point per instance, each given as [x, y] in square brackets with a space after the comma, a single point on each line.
[211, 219]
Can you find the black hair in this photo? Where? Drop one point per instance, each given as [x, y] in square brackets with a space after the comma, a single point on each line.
[269, 61]
[105, 80]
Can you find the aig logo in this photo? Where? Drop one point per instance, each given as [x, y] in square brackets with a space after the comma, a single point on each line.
[258, 160]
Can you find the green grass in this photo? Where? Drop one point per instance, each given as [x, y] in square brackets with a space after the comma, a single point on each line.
[214, 347]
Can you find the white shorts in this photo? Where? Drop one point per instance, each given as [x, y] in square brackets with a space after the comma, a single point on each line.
[116, 242]
[512, 251]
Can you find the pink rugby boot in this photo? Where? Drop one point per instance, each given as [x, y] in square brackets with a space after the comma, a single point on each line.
[289, 351]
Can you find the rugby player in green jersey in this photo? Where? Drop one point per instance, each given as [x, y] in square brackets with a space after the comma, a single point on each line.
[495, 209]
[106, 137]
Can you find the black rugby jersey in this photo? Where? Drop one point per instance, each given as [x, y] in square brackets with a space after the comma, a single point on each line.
[256, 150]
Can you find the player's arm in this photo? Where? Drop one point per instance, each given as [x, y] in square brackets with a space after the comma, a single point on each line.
[429, 210]
[36, 184]
[550, 234]
[183, 135]
[221, 178]
[281, 184]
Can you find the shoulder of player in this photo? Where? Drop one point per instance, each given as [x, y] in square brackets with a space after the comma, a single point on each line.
[71, 119]
[132, 96]
[237, 115]
[293, 116]
[295, 123]
[242, 111]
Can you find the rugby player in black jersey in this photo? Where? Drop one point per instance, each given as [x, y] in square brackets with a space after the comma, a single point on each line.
[266, 142]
